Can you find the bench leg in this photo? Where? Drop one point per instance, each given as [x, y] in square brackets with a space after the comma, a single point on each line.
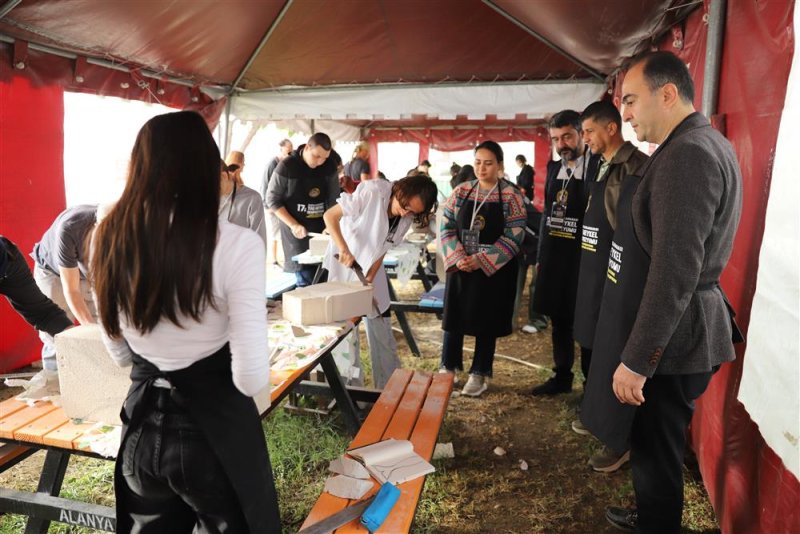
[404, 326]
[343, 399]
[55, 466]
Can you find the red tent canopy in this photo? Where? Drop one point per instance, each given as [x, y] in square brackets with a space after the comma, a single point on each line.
[191, 54]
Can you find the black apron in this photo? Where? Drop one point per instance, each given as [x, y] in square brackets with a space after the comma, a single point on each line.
[476, 304]
[557, 280]
[596, 235]
[229, 421]
[306, 203]
[627, 266]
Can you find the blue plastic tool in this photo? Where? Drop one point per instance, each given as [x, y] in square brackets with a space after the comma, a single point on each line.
[374, 516]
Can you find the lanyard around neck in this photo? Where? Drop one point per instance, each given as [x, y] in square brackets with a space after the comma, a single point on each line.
[475, 207]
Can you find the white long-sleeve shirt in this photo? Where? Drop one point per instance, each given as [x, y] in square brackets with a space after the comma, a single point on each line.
[238, 279]
[365, 227]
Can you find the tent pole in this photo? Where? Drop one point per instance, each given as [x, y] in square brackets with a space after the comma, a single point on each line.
[8, 6]
[226, 141]
[716, 31]
[252, 58]
[546, 41]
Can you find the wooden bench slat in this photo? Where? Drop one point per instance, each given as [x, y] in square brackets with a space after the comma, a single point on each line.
[35, 430]
[371, 431]
[383, 410]
[424, 439]
[66, 436]
[18, 419]
[9, 451]
[405, 417]
[9, 406]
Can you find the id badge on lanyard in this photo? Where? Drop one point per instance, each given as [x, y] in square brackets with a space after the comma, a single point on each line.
[558, 212]
[470, 239]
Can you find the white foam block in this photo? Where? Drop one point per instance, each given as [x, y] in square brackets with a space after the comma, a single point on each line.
[318, 244]
[93, 387]
[327, 303]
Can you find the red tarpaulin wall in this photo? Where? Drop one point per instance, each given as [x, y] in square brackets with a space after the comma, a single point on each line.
[31, 189]
[749, 487]
[32, 152]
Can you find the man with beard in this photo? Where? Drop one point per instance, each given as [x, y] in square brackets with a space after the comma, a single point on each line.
[559, 245]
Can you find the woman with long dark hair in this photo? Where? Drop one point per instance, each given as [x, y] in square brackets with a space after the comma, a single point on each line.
[364, 225]
[181, 299]
[482, 229]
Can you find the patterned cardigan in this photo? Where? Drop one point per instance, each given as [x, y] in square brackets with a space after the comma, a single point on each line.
[506, 246]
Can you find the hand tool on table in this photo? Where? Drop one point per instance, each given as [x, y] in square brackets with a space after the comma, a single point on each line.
[373, 512]
[363, 279]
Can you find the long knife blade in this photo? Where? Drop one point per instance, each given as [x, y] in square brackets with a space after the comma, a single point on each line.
[338, 519]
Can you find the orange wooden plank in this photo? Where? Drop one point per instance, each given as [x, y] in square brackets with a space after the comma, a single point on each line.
[22, 417]
[34, 431]
[65, 435]
[383, 411]
[9, 406]
[371, 431]
[9, 451]
[405, 417]
[424, 439]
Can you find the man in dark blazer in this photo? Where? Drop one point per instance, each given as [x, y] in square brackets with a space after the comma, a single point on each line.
[671, 325]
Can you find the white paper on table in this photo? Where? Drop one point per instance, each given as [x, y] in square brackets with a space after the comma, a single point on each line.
[348, 467]
[347, 487]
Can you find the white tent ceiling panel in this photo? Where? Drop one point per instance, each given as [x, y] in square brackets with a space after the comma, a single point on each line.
[537, 100]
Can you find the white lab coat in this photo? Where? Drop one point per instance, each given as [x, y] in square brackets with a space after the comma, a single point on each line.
[365, 226]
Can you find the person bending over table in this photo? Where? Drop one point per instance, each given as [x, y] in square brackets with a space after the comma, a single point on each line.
[364, 225]
[482, 229]
[181, 299]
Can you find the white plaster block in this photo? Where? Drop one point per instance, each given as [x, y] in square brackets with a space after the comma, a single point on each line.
[327, 303]
[93, 387]
[318, 244]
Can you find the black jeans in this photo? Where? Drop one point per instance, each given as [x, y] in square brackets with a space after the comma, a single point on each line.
[173, 481]
[564, 349]
[453, 353]
[658, 440]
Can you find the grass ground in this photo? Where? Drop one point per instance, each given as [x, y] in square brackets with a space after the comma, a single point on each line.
[475, 492]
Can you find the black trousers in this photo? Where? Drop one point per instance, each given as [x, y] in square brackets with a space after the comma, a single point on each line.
[658, 440]
[19, 287]
[173, 481]
[453, 353]
[564, 349]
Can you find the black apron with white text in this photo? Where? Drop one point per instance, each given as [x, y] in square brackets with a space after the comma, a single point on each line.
[306, 203]
[229, 422]
[476, 304]
[559, 258]
[596, 235]
[627, 266]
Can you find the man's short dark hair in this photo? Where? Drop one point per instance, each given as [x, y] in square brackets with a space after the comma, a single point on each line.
[284, 143]
[521, 159]
[567, 117]
[661, 68]
[321, 140]
[602, 112]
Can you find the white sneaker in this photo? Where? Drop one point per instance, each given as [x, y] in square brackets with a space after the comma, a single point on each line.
[455, 375]
[476, 385]
[530, 329]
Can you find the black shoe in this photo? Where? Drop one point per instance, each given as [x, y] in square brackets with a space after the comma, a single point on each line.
[622, 518]
[553, 386]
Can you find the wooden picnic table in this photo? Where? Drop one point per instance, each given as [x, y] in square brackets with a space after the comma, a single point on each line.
[27, 429]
